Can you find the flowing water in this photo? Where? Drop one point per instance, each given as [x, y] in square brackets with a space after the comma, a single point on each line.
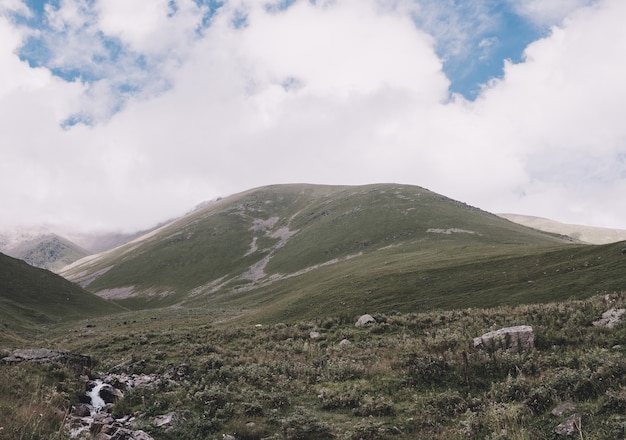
[94, 394]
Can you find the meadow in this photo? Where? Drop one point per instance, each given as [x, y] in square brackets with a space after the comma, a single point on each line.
[408, 376]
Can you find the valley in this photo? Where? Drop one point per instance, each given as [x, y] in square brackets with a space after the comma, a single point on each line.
[242, 313]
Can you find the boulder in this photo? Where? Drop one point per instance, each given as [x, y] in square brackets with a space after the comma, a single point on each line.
[82, 410]
[365, 320]
[514, 339]
[78, 363]
[611, 318]
[345, 343]
[569, 427]
[110, 394]
[171, 421]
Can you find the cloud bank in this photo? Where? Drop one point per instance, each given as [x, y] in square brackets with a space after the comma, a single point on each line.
[122, 113]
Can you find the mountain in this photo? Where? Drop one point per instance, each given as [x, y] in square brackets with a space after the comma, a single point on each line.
[31, 297]
[53, 248]
[304, 249]
[47, 251]
[587, 234]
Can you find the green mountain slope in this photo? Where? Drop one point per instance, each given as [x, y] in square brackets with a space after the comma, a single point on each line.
[31, 297]
[271, 245]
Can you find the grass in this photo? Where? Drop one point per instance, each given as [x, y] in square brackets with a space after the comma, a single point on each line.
[31, 298]
[410, 376]
[221, 242]
[448, 277]
[256, 372]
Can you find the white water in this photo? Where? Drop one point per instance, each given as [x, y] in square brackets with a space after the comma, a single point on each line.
[96, 400]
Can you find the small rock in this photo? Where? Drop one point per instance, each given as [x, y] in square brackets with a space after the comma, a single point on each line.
[140, 435]
[365, 320]
[179, 372]
[314, 335]
[110, 394]
[344, 343]
[611, 318]
[171, 420]
[562, 409]
[102, 436]
[514, 339]
[569, 427]
[82, 410]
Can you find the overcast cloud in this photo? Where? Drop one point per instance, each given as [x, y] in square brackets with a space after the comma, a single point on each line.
[118, 114]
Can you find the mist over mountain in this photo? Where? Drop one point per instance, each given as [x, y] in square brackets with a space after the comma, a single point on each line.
[587, 234]
[53, 248]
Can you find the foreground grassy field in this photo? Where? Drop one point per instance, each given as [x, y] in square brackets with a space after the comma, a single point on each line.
[409, 376]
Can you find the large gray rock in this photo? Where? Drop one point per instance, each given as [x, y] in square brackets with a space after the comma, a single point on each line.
[365, 320]
[515, 339]
[78, 363]
[611, 318]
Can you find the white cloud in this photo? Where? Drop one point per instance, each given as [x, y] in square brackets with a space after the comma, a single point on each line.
[564, 105]
[547, 13]
[335, 92]
[150, 26]
[14, 6]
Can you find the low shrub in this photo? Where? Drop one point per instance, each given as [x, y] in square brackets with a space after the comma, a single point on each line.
[540, 399]
[302, 425]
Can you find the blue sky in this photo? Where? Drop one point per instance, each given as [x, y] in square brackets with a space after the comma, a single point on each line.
[123, 113]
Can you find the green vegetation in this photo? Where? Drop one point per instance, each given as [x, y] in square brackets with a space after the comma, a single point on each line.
[409, 376]
[254, 294]
[32, 297]
[246, 242]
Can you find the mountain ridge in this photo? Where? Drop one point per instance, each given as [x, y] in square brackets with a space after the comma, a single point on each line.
[266, 235]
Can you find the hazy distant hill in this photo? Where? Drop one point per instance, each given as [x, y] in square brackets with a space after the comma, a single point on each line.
[48, 251]
[54, 248]
[587, 234]
[301, 248]
[31, 297]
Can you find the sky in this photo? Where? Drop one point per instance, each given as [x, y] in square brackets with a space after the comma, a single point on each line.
[120, 114]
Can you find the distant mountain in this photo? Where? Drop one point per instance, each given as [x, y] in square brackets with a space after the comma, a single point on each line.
[587, 234]
[48, 251]
[31, 297]
[54, 248]
[285, 244]
[96, 242]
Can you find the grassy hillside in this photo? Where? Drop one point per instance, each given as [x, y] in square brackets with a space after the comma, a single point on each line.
[31, 298]
[248, 241]
[449, 277]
